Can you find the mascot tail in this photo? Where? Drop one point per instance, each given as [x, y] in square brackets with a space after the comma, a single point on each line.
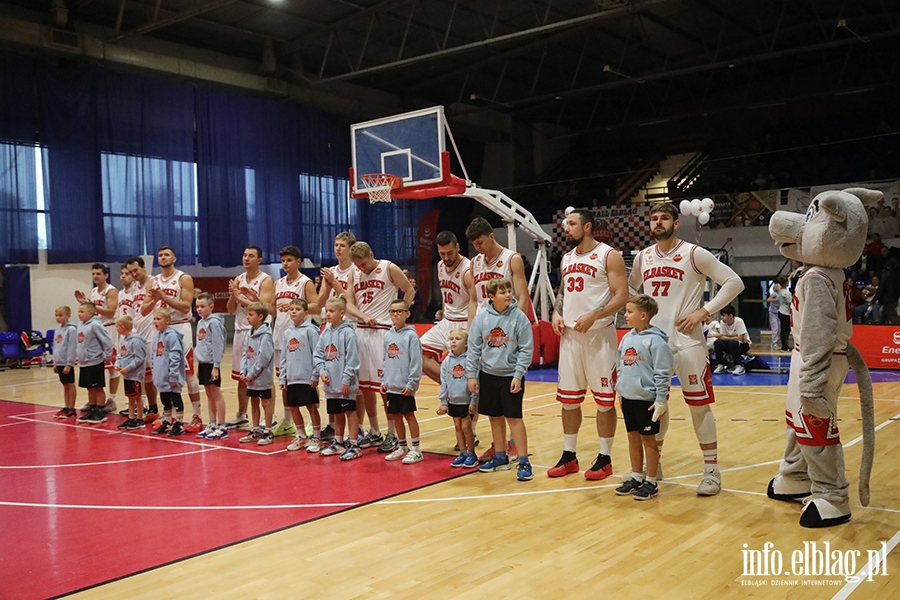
[866, 407]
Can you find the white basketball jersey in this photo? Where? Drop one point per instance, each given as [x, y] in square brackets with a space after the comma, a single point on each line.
[285, 291]
[342, 275]
[143, 324]
[99, 300]
[483, 271]
[454, 294]
[835, 280]
[677, 285]
[375, 292]
[240, 314]
[171, 288]
[586, 285]
[126, 302]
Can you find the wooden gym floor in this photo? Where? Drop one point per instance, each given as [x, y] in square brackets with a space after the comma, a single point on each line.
[488, 535]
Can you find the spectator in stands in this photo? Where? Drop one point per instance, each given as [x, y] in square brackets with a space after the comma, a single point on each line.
[869, 311]
[731, 343]
[773, 302]
[854, 295]
[873, 218]
[895, 212]
[888, 295]
[886, 224]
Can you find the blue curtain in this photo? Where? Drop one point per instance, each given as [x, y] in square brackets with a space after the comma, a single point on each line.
[392, 229]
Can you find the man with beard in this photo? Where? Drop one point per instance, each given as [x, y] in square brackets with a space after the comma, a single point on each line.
[674, 273]
[143, 326]
[593, 289]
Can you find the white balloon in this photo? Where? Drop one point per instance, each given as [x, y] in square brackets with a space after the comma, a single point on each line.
[685, 207]
[569, 210]
[707, 205]
[695, 207]
[703, 218]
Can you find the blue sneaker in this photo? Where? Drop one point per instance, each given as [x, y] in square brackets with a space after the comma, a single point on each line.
[524, 473]
[351, 453]
[497, 463]
[460, 461]
[471, 461]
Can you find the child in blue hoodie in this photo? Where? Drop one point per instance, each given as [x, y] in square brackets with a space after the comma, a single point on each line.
[65, 340]
[336, 361]
[400, 376]
[501, 346]
[168, 365]
[643, 376]
[131, 362]
[93, 349]
[295, 375]
[256, 372]
[209, 351]
[457, 400]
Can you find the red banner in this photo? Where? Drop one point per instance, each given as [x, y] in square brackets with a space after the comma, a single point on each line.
[425, 250]
[218, 287]
[878, 344]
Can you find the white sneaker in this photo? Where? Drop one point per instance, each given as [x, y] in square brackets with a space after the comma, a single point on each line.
[397, 454]
[711, 484]
[413, 456]
[738, 370]
[313, 445]
[720, 369]
[208, 430]
[110, 406]
[298, 443]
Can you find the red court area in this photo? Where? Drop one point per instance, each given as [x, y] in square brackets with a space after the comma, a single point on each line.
[84, 504]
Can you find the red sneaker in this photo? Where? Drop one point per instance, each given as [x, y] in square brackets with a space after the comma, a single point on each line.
[151, 417]
[195, 426]
[511, 451]
[567, 464]
[62, 413]
[601, 469]
[486, 455]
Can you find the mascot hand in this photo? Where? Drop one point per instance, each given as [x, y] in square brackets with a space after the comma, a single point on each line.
[659, 409]
[816, 406]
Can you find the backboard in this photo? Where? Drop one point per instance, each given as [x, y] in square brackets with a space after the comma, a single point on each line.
[410, 146]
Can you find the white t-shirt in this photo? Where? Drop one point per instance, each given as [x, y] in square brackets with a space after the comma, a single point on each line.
[736, 328]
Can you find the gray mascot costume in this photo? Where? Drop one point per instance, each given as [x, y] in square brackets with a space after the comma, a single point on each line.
[829, 237]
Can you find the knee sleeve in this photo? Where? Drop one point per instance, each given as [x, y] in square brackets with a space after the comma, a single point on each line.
[166, 401]
[570, 406]
[193, 384]
[704, 423]
[114, 374]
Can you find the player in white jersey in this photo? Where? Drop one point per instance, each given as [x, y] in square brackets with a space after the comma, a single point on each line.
[455, 279]
[373, 285]
[250, 286]
[126, 294]
[294, 285]
[674, 273]
[106, 298]
[593, 289]
[174, 289]
[143, 326]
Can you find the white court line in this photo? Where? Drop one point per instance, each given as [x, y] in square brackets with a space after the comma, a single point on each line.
[108, 507]
[163, 438]
[851, 586]
[107, 462]
[492, 496]
[859, 438]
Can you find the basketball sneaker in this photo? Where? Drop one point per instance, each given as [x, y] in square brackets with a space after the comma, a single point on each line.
[163, 428]
[96, 416]
[62, 413]
[84, 417]
[285, 428]
[711, 484]
[333, 449]
[176, 429]
[601, 469]
[328, 433]
[314, 445]
[252, 436]
[206, 431]
[471, 461]
[567, 463]
[124, 424]
[647, 491]
[124, 412]
[460, 461]
[373, 438]
[720, 369]
[496, 463]
[397, 454]
[628, 487]
[350, 453]
[85, 408]
[297, 444]
[71, 413]
[389, 444]
[195, 426]
[266, 437]
[238, 422]
[150, 417]
[136, 424]
[110, 406]
[218, 433]
[524, 472]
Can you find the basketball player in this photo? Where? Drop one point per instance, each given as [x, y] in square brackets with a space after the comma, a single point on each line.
[493, 261]
[292, 286]
[373, 285]
[174, 289]
[250, 286]
[126, 305]
[106, 298]
[593, 289]
[674, 273]
[456, 284]
[143, 326]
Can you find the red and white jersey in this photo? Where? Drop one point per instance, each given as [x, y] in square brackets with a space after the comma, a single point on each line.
[374, 293]
[285, 291]
[240, 314]
[99, 300]
[342, 275]
[585, 283]
[143, 324]
[677, 280]
[483, 271]
[454, 294]
[171, 287]
[126, 302]
[834, 279]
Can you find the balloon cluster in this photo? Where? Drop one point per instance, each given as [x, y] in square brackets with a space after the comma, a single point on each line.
[699, 208]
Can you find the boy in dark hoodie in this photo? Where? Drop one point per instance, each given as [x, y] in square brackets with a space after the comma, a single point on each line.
[643, 376]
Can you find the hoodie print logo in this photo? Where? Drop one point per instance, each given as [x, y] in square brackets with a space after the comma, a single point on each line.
[293, 344]
[160, 349]
[631, 357]
[497, 337]
[458, 372]
[331, 352]
[201, 334]
[393, 351]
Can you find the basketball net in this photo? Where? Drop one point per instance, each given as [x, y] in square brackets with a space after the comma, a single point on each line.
[379, 186]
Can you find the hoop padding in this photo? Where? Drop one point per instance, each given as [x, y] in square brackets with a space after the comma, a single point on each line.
[379, 186]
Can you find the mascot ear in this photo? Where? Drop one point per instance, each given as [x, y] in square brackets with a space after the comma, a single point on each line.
[833, 205]
[867, 197]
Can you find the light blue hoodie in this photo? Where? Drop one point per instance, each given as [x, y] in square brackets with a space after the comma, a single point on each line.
[168, 361]
[454, 382]
[132, 357]
[337, 353]
[644, 366]
[94, 344]
[210, 340]
[259, 354]
[297, 354]
[402, 366]
[65, 342]
[500, 344]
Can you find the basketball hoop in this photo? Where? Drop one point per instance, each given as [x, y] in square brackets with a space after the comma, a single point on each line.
[379, 186]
